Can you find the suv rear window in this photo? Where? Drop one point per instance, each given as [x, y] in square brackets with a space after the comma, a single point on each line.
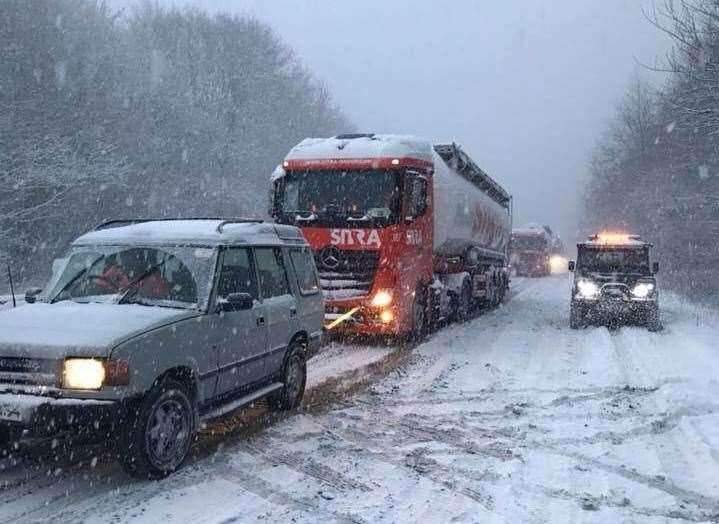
[273, 277]
[305, 270]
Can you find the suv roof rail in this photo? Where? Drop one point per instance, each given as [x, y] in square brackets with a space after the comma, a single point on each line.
[228, 221]
[352, 136]
[120, 222]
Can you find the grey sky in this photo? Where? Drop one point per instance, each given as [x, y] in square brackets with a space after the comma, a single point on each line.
[526, 86]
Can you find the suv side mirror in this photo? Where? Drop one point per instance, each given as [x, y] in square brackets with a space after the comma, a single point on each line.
[31, 295]
[236, 302]
[655, 267]
[571, 265]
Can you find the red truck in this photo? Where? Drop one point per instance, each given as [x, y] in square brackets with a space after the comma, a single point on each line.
[406, 234]
[536, 250]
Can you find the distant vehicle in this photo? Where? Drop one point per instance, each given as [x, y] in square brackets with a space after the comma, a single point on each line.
[405, 233]
[533, 247]
[151, 326]
[614, 281]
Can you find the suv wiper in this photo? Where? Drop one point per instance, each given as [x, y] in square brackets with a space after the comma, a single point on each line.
[132, 288]
[74, 279]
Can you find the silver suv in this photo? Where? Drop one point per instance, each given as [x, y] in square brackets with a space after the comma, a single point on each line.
[149, 327]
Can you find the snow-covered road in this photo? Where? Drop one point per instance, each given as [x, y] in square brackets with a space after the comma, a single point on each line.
[511, 417]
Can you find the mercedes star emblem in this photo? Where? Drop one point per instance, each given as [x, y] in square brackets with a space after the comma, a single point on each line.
[330, 257]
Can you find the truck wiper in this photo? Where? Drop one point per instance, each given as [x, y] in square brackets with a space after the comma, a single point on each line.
[309, 218]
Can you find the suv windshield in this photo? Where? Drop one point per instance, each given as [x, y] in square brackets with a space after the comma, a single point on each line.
[613, 260]
[152, 276]
[340, 196]
[533, 242]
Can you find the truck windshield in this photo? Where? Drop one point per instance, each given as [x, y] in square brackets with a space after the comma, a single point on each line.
[340, 196]
[612, 260]
[529, 243]
[151, 276]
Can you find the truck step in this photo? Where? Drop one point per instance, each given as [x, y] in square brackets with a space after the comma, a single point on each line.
[240, 402]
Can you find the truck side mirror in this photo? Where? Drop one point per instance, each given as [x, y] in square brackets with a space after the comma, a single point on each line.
[31, 295]
[571, 265]
[655, 267]
[236, 302]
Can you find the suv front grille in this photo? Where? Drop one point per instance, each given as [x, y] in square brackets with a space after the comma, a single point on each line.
[30, 371]
[346, 274]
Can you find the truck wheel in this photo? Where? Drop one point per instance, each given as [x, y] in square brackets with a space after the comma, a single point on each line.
[463, 308]
[294, 378]
[653, 323]
[160, 433]
[576, 317]
[419, 317]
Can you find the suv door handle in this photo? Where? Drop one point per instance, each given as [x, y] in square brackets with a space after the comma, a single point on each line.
[293, 311]
[260, 321]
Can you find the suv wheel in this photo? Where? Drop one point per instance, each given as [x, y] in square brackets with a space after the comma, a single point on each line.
[160, 434]
[294, 378]
[576, 317]
[653, 323]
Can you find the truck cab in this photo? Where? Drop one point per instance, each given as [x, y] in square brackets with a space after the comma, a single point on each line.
[405, 233]
[614, 281]
[530, 255]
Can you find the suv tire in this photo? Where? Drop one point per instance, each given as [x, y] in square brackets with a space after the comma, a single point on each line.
[653, 323]
[576, 317]
[294, 378]
[160, 432]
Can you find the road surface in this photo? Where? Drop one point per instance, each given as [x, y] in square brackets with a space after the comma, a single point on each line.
[511, 417]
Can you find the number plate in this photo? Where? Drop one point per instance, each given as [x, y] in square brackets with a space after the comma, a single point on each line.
[10, 413]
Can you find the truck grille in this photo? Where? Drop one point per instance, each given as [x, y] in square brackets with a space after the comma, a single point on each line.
[346, 274]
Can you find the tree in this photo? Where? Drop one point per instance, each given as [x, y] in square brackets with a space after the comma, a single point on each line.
[162, 112]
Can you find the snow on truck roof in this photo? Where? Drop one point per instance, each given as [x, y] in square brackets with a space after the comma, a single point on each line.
[205, 232]
[528, 231]
[354, 146]
[398, 148]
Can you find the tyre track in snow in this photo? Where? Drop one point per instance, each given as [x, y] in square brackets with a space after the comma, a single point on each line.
[500, 444]
[671, 452]
[658, 422]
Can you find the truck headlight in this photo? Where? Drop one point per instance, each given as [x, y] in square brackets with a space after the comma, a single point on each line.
[587, 289]
[83, 373]
[643, 289]
[382, 298]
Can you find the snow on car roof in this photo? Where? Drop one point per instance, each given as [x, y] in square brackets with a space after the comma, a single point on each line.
[194, 232]
[363, 146]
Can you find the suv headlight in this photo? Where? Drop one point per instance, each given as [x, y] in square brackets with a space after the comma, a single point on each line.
[587, 289]
[83, 373]
[643, 289]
